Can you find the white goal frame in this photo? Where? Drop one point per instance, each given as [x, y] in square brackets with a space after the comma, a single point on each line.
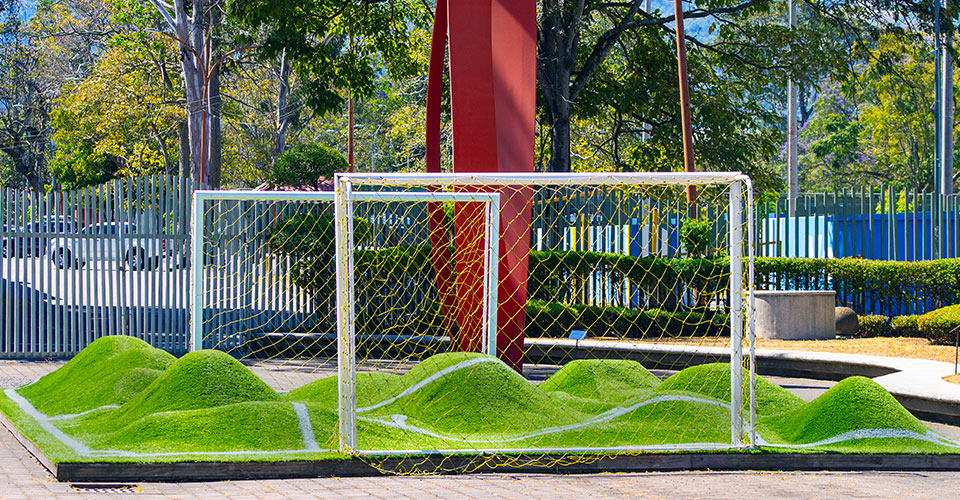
[344, 199]
[487, 182]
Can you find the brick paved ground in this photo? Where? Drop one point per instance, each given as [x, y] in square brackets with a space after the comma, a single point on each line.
[22, 477]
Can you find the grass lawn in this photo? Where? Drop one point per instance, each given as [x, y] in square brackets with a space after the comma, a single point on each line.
[122, 400]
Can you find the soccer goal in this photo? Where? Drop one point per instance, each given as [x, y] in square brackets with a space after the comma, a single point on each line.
[611, 293]
[535, 318]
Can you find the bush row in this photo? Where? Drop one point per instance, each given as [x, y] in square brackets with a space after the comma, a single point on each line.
[552, 319]
[868, 286]
[878, 325]
[939, 326]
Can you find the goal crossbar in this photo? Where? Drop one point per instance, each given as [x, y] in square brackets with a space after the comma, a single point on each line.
[540, 179]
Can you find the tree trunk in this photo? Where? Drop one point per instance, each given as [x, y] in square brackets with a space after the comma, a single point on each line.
[560, 139]
[283, 104]
[198, 36]
[215, 150]
[183, 138]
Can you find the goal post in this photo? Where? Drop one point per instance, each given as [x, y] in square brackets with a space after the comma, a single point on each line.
[539, 317]
[345, 197]
[736, 216]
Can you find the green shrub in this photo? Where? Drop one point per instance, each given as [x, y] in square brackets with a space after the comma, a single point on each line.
[905, 326]
[305, 164]
[874, 325]
[552, 319]
[309, 238]
[696, 235]
[938, 325]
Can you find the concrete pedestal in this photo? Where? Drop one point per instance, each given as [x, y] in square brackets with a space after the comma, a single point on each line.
[795, 315]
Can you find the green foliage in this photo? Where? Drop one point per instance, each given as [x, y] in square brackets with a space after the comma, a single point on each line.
[876, 128]
[874, 325]
[938, 326]
[119, 121]
[310, 239]
[556, 319]
[888, 286]
[696, 235]
[906, 326]
[306, 164]
[326, 70]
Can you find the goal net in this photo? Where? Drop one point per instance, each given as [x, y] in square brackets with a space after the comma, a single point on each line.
[437, 322]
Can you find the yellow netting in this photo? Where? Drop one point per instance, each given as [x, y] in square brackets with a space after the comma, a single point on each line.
[635, 275]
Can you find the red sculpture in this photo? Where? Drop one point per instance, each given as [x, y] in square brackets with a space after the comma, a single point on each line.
[493, 93]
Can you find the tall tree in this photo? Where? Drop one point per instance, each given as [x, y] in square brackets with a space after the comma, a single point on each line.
[23, 106]
[197, 27]
[576, 37]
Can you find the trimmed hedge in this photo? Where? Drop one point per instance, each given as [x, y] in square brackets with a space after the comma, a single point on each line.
[876, 325]
[938, 325]
[868, 286]
[552, 319]
[561, 286]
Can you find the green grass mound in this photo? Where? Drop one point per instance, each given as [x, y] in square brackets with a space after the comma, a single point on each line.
[603, 379]
[372, 387]
[110, 371]
[250, 426]
[854, 403]
[713, 380]
[202, 379]
[485, 398]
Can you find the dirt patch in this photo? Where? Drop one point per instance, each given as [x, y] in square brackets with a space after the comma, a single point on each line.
[896, 347]
[953, 379]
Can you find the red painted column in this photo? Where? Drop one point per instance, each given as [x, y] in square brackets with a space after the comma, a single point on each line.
[514, 27]
[439, 239]
[474, 149]
[493, 85]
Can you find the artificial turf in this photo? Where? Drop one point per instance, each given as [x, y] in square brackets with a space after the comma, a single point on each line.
[208, 403]
[110, 371]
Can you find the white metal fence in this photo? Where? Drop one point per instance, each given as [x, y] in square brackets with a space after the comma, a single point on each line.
[105, 260]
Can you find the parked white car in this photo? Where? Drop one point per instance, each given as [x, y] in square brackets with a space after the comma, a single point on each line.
[109, 241]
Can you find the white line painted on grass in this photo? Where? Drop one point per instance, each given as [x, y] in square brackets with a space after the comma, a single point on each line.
[28, 408]
[306, 428]
[68, 416]
[432, 378]
[400, 421]
[930, 437]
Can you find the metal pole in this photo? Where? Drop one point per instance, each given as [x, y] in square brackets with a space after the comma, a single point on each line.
[751, 311]
[346, 327]
[492, 271]
[688, 158]
[196, 276]
[792, 174]
[946, 113]
[736, 315]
